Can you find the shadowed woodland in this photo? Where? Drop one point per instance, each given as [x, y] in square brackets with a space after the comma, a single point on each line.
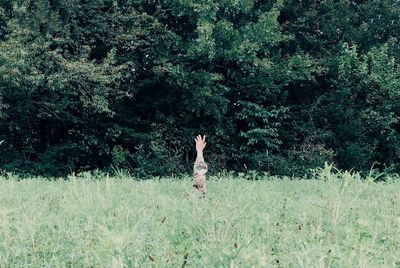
[277, 86]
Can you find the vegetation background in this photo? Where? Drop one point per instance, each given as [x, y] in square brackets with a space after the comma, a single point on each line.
[277, 86]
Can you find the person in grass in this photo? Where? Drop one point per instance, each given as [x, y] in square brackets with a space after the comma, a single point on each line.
[200, 167]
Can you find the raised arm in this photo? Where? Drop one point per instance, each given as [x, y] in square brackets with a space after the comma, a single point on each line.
[200, 166]
[200, 145]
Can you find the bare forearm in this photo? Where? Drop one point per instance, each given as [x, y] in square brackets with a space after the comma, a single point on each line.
[200, 167]
[199, 157]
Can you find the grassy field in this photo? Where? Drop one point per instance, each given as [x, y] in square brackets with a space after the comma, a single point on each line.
[333, 221]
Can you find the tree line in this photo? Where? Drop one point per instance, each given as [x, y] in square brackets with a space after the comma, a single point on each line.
[276, 86]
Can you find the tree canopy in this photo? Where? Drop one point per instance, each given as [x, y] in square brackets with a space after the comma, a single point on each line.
[277, 86]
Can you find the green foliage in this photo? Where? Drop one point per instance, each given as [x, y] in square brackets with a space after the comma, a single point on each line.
[277, 86]
[101, 221]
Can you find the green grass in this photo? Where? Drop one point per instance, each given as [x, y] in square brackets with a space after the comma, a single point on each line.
[335, 221]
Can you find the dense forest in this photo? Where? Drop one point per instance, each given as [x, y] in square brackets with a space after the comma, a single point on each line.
[276, 86]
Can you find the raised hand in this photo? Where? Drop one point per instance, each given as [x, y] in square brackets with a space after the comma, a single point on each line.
[200, 143]
[200, 167]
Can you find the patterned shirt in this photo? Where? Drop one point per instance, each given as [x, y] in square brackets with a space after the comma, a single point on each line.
[199, 178]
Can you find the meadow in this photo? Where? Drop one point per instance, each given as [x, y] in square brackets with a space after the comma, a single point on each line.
[332, 220]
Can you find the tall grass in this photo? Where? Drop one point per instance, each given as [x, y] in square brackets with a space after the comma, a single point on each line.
[334, 220]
